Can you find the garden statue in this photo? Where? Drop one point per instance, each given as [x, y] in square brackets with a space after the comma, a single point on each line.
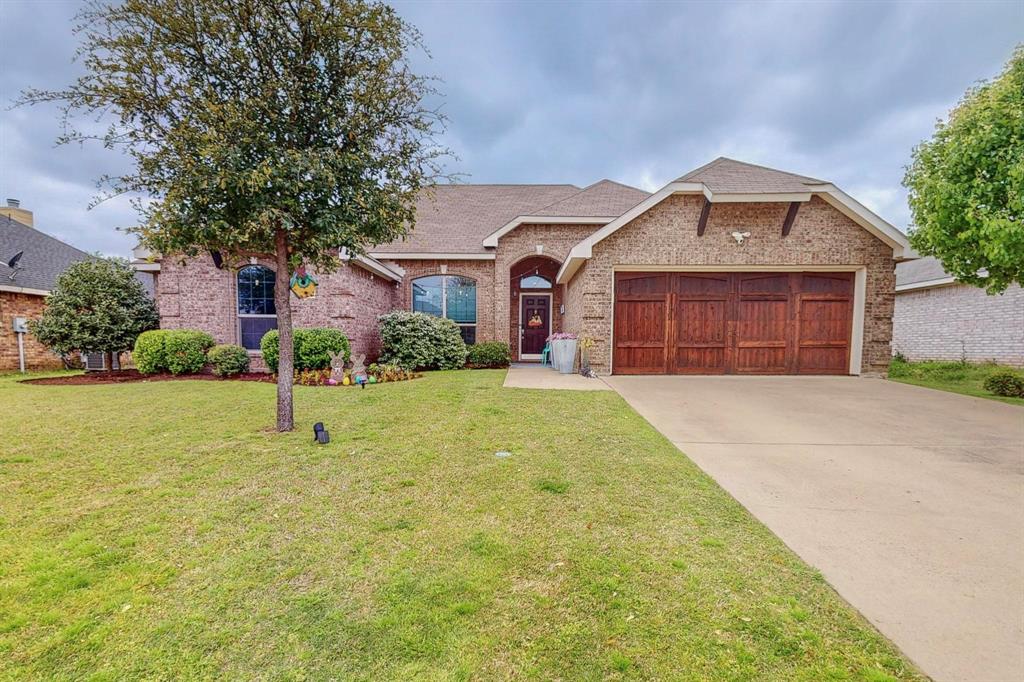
[338, 366]
[359, 370]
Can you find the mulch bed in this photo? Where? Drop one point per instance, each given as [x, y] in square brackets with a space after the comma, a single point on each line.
[129, 375]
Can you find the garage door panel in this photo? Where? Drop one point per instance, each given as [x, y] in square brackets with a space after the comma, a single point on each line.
[742, 323]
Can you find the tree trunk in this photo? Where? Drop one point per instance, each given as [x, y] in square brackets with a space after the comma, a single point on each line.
[110, 361]
[286, 361]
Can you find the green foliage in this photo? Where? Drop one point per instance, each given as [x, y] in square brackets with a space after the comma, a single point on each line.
[967, 185]
[245, 118]
[956, 376]
[420, 341]
[228, 360]
[385, 373]
[97, 306]
[150, 354]
[312, 347]
[490, 354]
[185, 350]
[1005, 383]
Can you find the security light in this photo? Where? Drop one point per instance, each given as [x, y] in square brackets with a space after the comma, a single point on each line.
[320, 434]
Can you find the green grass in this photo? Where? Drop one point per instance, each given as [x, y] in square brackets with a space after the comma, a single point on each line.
[160, 531]
[956, 377]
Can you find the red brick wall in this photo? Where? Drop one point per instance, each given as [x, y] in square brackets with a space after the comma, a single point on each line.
[667, 235]
[482, 271]
[37, 356]
[196, 295]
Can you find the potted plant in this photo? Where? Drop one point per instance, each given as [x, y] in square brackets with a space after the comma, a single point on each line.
[563, 351]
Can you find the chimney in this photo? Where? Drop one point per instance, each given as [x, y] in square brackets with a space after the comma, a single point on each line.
[14, 211]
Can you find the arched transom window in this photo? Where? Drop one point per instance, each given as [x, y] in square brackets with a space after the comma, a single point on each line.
[256, 311]
[448, 296]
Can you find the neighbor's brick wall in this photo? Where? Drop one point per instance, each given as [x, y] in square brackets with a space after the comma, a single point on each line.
[482, 271]
[667, 235]
[196, 295]
[957, 321]
[37, 356]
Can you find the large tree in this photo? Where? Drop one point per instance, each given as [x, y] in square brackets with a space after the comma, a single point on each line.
[967, 185]
[285, 129]
[97, 306]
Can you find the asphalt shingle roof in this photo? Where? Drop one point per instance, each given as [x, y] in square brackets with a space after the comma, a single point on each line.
[604, 198]
[731, 176]
[456, 218]
[920, 270]
[44, 259]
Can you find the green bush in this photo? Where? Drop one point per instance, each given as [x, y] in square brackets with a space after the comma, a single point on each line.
[186, 350]
[228, 359]
[312, 347]
[1005, 383]
[420, 341]
[490, 354]
[150, 352]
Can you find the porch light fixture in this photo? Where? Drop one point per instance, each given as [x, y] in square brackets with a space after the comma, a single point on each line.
[740, 237]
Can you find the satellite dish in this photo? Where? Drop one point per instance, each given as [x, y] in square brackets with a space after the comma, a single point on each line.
[14, 261]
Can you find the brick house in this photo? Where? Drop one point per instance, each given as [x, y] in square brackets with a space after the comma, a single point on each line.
[731, 268]
[24, 288]
[938, 318]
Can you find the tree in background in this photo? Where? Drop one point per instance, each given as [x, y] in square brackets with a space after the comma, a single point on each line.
[284, 130]
[967, 185]
[98, 306]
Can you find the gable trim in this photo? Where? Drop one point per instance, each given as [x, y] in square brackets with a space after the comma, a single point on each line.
[425, 255]
[491, 240]
[831, 194]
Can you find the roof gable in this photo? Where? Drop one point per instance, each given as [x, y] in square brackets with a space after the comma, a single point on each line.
[603, 198]
[724, 175]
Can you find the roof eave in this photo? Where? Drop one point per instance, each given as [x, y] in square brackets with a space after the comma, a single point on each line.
[491, 240]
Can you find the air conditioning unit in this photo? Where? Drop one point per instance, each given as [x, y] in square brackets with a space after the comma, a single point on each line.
[97, 362]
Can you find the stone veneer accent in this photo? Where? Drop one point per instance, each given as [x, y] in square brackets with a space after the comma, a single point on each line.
[196, 295]
[37, 356]
[960, 321]
[666, 235]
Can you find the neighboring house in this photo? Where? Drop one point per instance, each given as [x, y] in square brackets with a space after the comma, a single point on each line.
[731, 268]
[938, 318]
[24, 288]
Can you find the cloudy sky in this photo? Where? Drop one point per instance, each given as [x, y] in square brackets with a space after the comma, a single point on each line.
[579, 91]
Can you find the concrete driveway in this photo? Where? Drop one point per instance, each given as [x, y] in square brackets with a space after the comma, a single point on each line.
[910, 501]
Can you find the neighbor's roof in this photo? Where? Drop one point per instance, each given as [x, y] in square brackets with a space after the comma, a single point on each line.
[456, 218]
[729, 176]
[922, 270]
[44, 259]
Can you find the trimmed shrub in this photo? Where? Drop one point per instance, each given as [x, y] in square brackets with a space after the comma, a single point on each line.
[312, 347]
[186, 350]
[420, 341]
[491, 354]
[150, 353]
[228, 359]
[1005, 383]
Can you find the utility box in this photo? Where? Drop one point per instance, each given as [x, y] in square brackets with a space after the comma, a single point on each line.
[20, 325]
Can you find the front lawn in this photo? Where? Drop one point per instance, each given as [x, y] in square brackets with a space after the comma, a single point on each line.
[159, 530]
[956, 377]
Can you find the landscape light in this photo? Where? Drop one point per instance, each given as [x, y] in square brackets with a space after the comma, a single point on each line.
[320, 434]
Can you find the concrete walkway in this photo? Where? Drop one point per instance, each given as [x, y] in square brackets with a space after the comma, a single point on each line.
[909, 500]
[524, 375]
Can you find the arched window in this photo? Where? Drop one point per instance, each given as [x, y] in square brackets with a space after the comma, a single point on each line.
[535, 282]
[256, 311]
[448, 296]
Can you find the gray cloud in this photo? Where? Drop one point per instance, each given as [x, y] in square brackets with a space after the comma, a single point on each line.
[575, 92]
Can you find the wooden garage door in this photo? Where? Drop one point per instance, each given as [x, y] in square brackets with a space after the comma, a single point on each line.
[732, 323]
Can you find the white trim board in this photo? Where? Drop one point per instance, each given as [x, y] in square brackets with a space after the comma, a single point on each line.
[860, 278]
[491, 240]
[24, 290]
[926, 284]
[835, 197]
[422, 255]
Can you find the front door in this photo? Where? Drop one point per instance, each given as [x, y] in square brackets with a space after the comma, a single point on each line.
[535, 321]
